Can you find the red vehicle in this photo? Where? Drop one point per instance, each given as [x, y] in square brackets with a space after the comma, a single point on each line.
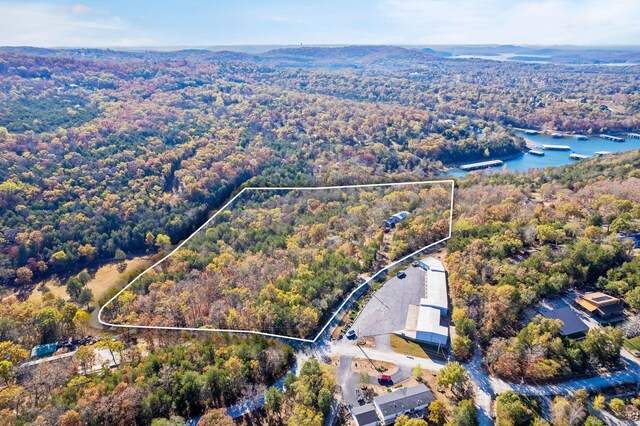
[384, 378]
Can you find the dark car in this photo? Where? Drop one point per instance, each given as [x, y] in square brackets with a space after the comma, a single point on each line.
[401, 274]
[359, 396]
[351, 334]
[415, 264]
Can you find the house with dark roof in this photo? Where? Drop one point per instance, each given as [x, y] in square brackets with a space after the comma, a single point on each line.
[606, 308]
[572, 326]
[393, 220]
[392, 405]
[365, 415]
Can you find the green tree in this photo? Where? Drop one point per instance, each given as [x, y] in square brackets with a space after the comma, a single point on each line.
[74, 287]
[418, 372]
[85, 297]
[465, 414]
[273, 400]
[462, 347]
[453, 376]
[438, 412]
[324, 400]
[163, 241]
[46, 322]
[632, 297]
[6, 372]
[510, 409]
[406, 421]
[12, 352]
[603, 345]
[120, 255]
[594, 421]
[84, 277]
[599, 402]
[149, 239]
[617, 405]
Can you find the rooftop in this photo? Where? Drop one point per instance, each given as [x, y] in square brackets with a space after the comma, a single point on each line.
[365, 414]
[43, 350]
[572, 324]
[403, 399]
[436, 288]
[599, 299]
[429, 321]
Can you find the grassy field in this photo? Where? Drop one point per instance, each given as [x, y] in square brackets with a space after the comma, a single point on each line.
[106, 277]
[632, 344]
[403, 346]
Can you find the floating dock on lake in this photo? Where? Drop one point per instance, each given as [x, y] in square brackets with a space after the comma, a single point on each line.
[557, 147]
[634, 135]
[482, 165]
[557, 135]
[531, 132]
[575, 156]
[580, 137]
[601, 153]
[536, 152]
[612, 138]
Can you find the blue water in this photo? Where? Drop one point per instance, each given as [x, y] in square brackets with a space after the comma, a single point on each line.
[556, 158]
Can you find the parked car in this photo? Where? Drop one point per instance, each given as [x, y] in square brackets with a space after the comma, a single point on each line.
[351, 334]
[415, 264]
[401, 274]
[359, 396]
[384, 378]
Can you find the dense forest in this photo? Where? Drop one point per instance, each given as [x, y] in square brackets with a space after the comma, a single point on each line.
[98, 151]
[278, 261]
[109, 154]
[519, 238]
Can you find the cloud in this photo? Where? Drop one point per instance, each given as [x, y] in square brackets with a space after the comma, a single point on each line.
[515, 21]
[79, 26]
[81, 9]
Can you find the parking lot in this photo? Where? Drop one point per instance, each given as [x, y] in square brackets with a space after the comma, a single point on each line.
[387, 310]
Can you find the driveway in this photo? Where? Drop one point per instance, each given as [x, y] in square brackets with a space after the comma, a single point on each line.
[387, 310]
[347, 381]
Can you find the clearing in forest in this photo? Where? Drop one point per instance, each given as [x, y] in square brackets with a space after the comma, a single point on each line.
[282, 261]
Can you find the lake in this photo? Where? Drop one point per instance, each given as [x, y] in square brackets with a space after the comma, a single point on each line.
[556, 158]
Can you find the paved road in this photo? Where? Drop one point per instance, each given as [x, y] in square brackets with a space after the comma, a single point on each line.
[387, 310]
[347, 380]
[254, 402]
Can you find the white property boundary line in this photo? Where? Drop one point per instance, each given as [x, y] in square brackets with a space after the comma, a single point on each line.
[344, 302]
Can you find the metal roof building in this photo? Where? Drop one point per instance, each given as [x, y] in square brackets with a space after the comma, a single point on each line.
[572, 327]
[436, 285]
[428, 328]
[44, 350]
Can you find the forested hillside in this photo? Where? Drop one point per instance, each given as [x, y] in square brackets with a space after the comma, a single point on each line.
[101, 150]
[521, 238]
[279, 261]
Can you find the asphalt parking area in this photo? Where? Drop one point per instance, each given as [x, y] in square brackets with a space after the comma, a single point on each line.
[387, 310]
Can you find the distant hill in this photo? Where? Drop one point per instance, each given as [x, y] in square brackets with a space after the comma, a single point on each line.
[353, 56]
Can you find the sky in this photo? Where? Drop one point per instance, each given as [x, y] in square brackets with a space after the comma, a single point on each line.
[142, 23]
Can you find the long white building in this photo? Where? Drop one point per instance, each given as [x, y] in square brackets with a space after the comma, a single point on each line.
[436, 295]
